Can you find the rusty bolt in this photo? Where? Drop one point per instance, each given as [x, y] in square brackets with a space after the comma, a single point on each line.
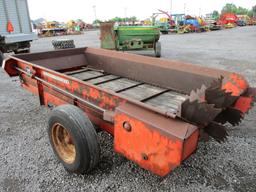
[127, 126]
[144, 156]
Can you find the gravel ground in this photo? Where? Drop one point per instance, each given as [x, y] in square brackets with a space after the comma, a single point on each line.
[27, 162]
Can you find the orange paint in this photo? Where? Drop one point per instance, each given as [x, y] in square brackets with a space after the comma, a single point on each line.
[10, 27]
[236, 85]
[154, 150]
[95, 94]
[244, 104]
[239, 81]
[231, 88]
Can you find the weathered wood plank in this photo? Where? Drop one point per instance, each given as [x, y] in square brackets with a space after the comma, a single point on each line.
[87, 75]
[142, 92]
[118, 84]
[167, 100]
[102, 79]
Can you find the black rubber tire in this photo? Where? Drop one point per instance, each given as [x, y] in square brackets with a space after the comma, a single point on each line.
[158, 49]
[1, 58]
[164, 32]
[83, 135]
[63, 44]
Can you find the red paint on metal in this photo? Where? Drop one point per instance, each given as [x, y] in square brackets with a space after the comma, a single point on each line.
[144, 143]
[229, 87]
[228, 18]
[244, 104]
[236, 85]
[239, 80]
[10, 27]
[55, 98]
[190, 145]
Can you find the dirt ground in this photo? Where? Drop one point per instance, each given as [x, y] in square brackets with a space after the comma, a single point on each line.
[27, 162]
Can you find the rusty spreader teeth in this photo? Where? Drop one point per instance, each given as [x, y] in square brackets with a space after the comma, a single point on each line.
[235, 114]
[251, 92]
[217, 96]
[199, 113]
[231, 115]
[198, 95]
[217, 132]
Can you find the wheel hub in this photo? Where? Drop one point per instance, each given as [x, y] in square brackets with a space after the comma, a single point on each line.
[63, 143]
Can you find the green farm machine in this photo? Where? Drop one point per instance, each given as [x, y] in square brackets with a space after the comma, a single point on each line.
[125, 38]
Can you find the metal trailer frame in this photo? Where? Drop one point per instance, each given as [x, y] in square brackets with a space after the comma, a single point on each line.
[156, 139]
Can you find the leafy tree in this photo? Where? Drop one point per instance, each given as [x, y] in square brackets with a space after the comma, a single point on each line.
[254, 11]
[97, 21]
[133, 18]
[229, 8]
[250, 13]
[117, 19]
[120, 19]
[215, 14]
[242, 11]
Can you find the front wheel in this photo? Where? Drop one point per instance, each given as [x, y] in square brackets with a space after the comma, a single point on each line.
[1, 58]
[158, 49]
[73, 139]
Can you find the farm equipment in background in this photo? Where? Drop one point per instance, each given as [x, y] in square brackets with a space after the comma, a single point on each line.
[241, 23]
[211, 22]
[52, 28]
[165, 23]
[73, 28]
[125, 38]
[155, 109]
[228, 20]
[253, 20]
[244, 20]
[63, 44]
[192, 24]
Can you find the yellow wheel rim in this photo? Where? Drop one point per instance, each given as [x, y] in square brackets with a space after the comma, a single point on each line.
[63, 143]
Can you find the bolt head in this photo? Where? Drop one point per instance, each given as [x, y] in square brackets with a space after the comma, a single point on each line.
[127, 126]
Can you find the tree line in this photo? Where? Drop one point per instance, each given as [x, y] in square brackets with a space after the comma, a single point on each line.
[232, 8]
[119, 19]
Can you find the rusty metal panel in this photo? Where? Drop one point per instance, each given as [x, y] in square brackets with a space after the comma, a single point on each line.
[57, 60]
[169, 74]
[154, 142]
[107, 35]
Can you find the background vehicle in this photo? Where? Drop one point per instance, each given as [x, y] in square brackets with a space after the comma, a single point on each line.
[15, 27]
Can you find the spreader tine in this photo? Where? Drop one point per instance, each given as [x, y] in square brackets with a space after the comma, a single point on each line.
[199, 113]
[251, 92]
[231, 115]
[217, 96]
[217, 132]
[198, 95]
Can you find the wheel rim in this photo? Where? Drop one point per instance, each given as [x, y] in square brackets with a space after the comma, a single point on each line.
[63, 143]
